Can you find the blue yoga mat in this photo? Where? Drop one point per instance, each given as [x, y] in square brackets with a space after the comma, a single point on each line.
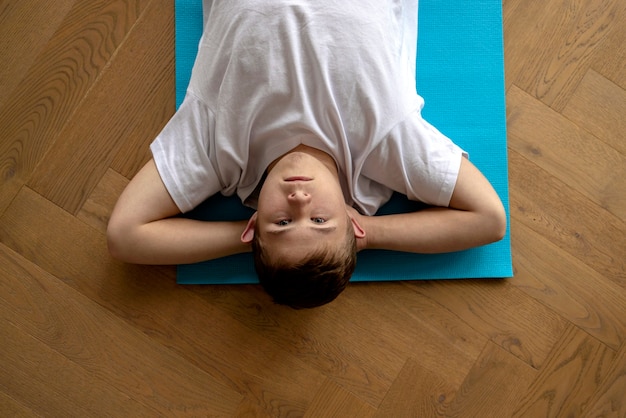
[460, 74]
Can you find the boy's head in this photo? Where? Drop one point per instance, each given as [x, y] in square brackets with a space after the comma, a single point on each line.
[314, 280]
[302, 235]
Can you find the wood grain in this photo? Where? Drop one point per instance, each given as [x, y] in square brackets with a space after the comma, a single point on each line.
[334, 401]
[494, 385]
[331, 334]
[18, 19]
[573, 289]
[573, 155]
[599, 106]
[564, 386]
[81, 332]
[417, 392]
[326, 338]
[56, 84]
[522, 326]
[12, 408]
[571, 221]
[609, 58]
[110, 112]
[563, 37]
[40, 377]
[609, 400]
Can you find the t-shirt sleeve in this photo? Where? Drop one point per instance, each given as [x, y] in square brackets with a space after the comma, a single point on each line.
[417, 160]
[181, 153]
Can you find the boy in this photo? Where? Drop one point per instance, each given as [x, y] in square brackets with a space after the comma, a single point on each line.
[307, 110]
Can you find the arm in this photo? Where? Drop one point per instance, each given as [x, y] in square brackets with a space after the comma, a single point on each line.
[474, 217]
[142, 228]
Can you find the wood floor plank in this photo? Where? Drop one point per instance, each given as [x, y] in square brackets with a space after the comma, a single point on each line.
[18, 20]
[47, 381]
[134, 150]
[9, 407]
[250, 409]
[54, 87]
[609, 400]
[519, 42]
[567, 382]
[148, 299]
[570, 287]
[417, 392]
[568, 219]
[408, 317]
[363, 363]
[502, 313]
[573, 155]
[98, 207]
[493, 387]
[318, 337]
[334, 401]
[599, 106]
[610, 58]
[551, 44]
[109, 113]
[155, 109]
[82, 332]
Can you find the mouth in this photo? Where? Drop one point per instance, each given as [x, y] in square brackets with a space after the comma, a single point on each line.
[298, 178]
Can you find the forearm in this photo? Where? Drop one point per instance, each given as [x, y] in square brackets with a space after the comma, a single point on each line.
[178, 241]
[434, 230]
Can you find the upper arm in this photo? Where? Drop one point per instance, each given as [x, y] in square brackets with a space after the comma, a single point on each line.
[474, 193]
[144, 200]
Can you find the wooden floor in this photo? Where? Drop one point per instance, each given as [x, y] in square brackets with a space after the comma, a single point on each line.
[86, 85]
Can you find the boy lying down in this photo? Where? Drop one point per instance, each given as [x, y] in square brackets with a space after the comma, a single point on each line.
[308, 111]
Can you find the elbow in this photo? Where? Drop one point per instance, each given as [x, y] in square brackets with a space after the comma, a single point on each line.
[490, 224]
[118, 241]
[500, 230]
[496, 224]
[114, 242]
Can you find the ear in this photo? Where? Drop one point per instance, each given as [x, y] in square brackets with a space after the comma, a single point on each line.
[248, 233]
[359, 232]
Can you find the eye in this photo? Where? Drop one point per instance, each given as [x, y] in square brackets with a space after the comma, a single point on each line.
[318, 220]
[283, 222]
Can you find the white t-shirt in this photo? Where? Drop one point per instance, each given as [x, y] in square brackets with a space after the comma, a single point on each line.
[335, 75]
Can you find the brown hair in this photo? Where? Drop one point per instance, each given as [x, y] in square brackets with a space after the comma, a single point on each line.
[313, 281]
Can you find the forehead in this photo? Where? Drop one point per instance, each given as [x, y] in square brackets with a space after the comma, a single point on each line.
[309, 237]
[296, 244]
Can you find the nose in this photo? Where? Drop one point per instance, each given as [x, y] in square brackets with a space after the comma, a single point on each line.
[299, 197]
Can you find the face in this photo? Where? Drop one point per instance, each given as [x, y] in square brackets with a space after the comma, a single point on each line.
[301, 207]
